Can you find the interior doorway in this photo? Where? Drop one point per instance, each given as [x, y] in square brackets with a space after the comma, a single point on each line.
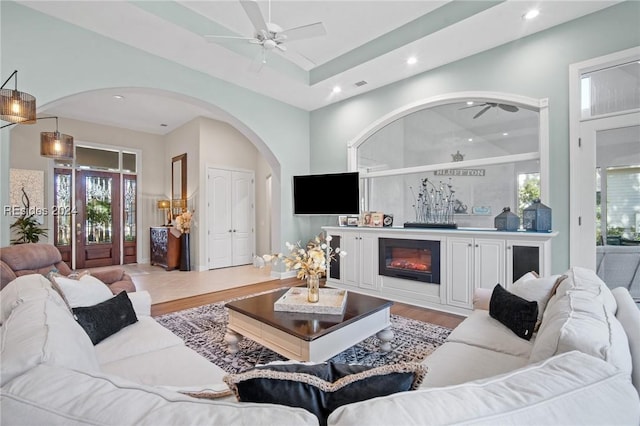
[605, 156]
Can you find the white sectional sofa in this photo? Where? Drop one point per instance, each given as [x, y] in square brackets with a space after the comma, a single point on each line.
[577, 369]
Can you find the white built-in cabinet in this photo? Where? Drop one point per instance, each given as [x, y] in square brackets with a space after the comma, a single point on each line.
[469, 259]
[360, 266]
[230, 217]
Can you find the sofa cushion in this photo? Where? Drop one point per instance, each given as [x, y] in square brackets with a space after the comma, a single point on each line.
[480, 330]
[143, 337]
[85, 291]
[454, 363]
[569, 389]
[49, 395]
[537, 289]
[578, 321]
[321, 388]
[582, 279]
[629, 316]
[23, 289]
[195, 372]
[41, 331]
[106, 318]
[517, 314]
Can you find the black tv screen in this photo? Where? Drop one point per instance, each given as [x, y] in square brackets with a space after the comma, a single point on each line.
[336, 193]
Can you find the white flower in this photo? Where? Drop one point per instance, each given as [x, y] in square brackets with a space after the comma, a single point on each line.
[267, 257]
[328, 238]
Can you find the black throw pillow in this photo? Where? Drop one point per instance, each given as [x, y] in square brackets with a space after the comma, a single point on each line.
[518, 314]
[104, 319]
[321, 388]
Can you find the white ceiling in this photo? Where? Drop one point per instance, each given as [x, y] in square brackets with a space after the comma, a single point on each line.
[365, 41]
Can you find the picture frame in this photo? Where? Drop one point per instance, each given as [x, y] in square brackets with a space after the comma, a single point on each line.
[352, 221]
[342, 220]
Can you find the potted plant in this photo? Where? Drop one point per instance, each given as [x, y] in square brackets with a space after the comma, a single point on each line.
[26, 226]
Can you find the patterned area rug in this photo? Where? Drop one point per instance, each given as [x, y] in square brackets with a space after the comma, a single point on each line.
[203, 329]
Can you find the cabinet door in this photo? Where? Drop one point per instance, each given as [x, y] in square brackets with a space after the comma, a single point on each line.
[523, 257]
[489, 262]
[334, 274]
[368, 260]
[350, 264]
[459, 288]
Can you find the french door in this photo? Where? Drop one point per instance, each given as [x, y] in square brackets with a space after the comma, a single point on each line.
[98, 225]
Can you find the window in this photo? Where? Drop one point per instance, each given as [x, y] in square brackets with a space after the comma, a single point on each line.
[621, 202]
[528, 190]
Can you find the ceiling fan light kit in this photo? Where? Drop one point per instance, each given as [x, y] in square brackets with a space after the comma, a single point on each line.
[270, 36]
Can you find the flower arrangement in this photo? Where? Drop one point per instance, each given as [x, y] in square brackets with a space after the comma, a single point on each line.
[310, 261]
[183, 221]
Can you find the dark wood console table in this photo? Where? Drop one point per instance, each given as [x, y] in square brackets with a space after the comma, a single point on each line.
[165, 248]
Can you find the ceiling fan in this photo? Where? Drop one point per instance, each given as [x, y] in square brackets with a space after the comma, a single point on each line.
[270, 36]
[488, 105]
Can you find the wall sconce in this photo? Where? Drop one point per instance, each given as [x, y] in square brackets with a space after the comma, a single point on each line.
[55, 144]
[16, 106]
[166, 206]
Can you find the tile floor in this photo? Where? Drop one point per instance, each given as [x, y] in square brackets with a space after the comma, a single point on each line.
[165, 286]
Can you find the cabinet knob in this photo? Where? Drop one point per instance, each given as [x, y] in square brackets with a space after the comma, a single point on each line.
[469, 245]
[477, 245]
[229, 230]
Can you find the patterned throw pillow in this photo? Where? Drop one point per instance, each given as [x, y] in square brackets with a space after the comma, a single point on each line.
[321, 388]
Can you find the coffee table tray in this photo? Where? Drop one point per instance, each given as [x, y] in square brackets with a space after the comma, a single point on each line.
[332, 301]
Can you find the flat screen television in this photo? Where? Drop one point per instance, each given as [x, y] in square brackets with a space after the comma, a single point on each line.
[335, 193]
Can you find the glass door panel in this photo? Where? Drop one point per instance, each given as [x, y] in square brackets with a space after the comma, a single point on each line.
[62, 211]
[98, 222]
[129, 219]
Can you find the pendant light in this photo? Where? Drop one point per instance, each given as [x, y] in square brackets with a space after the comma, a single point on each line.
[16, 106]
[55, 144]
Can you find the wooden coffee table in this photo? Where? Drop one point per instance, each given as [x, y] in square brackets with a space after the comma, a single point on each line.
[308, 337]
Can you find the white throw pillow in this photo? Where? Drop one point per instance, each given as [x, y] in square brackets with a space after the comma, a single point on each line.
[87, 291]
[536, 289]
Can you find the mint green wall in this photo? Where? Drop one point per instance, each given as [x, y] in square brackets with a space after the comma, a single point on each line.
[536, 66]
[56, 59]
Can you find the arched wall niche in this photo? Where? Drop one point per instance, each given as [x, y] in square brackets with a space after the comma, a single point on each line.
[473, 140]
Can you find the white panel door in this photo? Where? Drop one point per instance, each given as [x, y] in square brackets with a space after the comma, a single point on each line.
[242, 217]
[369, 260]
[219, 218]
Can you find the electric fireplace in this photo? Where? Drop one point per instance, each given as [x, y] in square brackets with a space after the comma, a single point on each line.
[417, 260]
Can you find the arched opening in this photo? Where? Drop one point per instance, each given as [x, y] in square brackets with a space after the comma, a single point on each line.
[91, 119]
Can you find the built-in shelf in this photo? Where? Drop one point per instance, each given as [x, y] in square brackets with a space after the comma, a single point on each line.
[469, 259]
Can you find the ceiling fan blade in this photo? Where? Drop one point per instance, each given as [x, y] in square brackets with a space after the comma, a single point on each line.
[281, 47]
[212, 38]
[507, 107]
[305, 31]
[252, 9]
[482, 111]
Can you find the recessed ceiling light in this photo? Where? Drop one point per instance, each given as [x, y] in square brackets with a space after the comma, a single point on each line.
[337, 89]
[505, 134]
[531, 14]
[412, 60]
[470, 139]
[118, 97]
[469, 102]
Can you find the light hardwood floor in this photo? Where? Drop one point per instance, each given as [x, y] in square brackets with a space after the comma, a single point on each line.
[163, 304]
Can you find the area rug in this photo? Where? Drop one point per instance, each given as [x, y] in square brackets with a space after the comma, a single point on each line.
[203, 329]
